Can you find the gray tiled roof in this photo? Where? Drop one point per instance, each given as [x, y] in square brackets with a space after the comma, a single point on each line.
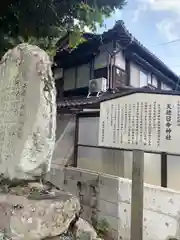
[94, 102]
[90, 47]
[82, 102]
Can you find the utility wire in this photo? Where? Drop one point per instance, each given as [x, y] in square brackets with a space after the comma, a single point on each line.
[166, 43]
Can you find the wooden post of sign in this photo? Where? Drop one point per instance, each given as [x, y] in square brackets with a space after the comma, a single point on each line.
[137, 195]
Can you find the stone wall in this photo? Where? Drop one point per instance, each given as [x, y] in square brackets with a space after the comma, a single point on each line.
[105, 196]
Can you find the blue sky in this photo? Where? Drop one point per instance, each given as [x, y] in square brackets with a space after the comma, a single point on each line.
[154, 23]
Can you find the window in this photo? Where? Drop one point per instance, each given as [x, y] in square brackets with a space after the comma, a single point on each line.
[152, 81]
[165, 87]
[102, 72]
[143, 79]
[119, 77]
[148, 79]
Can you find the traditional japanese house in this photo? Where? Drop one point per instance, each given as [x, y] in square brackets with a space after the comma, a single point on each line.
[103, 66]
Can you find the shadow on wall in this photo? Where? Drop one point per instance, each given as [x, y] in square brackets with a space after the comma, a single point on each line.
[65, 133]
[114, 162]
[119, 163]
[103, 196]
[113, 203]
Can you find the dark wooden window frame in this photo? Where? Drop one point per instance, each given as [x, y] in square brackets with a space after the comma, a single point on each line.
[164, 84]
[114, 68]
[100, 72]
[77, 145]
[59, 84]
[151, 81]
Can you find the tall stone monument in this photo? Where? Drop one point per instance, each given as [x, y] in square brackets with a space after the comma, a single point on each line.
[27, 113]
[30, 210]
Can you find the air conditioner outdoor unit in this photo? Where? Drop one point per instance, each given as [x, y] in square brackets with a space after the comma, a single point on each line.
[98, 86]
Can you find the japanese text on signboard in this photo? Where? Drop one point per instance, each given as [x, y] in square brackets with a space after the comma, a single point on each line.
[150, 123]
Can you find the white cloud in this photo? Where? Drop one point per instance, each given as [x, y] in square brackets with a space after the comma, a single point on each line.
[163, 5]
[168, 26]
[138, 11]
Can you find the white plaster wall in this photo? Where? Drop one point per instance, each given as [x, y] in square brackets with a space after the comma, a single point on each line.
[173, 173]
[120, 61]
[119, 163]
[161, 206]
[61, 122]
[114, 162]
[88, 130]
[152, 167]
[134, 75]
[155, 81]
[65, 133]
[101, 160]
[101, 60]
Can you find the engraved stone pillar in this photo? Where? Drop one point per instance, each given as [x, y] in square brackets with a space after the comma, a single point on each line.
[27, 112]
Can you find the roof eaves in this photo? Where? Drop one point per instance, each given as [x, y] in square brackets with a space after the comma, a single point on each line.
[143, 63]
[121, 29]
[140, 45]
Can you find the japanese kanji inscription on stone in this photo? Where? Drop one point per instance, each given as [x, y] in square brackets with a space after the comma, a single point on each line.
[27, 113]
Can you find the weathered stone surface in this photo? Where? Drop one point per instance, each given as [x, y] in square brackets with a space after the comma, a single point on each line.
[27, 112]
[37, 216]
[84, 229]
[81, 231]
[64, 236]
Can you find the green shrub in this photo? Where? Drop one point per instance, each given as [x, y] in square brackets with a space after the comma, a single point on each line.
[102, 228]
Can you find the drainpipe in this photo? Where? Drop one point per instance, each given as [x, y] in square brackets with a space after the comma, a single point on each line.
[110, 58]
[108, 71]
[111, 70]
[110, 65]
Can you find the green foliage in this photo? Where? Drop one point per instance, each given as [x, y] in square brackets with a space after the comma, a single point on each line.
[102, 228]
[43, 22]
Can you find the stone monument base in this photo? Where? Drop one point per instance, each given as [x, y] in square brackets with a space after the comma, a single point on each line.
[33, 212]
